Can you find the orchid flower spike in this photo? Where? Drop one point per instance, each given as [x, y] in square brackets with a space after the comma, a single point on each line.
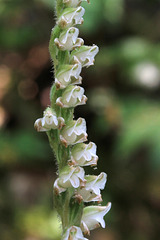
[73, 189]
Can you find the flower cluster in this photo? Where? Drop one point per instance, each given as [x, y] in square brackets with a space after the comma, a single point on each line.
[66, 135]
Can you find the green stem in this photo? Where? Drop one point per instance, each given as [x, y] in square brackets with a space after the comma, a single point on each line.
[59, 7]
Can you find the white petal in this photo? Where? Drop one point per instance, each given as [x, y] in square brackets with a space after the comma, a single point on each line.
[75, 181]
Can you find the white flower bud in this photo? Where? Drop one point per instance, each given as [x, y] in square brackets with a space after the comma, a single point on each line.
[84, 55]
[91, 191]
[92, 217]
[73, 233]
[72, 97]
[74, 132]
[73, 3]
[84, 154]
[49, 121]
[71, 17]
[68, 39]
[68, 74]
[69, 177]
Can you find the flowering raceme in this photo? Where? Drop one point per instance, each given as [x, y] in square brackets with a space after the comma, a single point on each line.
[73, 189]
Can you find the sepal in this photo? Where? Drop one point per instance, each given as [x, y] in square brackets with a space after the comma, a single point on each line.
[84, 55]
[84, 154]
[68, 39]
[72, 97]
[73, 233]
[71, 17]
[68, 74]
[74, 132]
[92, 217]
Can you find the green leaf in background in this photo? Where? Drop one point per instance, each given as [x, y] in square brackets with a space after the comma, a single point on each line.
[140, 128]
[113, 10]
[22, 147]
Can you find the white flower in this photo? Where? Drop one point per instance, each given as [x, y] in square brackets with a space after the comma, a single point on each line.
[95, 183]
[91, 191]
[69, 177]
[72, 97]
[73, 233]
[68, 74]
[73, 3]
[84, 154]
[71, 17]
[49, 121]
[68, 39]
[92, 217]
[74, 132]
[84, 55]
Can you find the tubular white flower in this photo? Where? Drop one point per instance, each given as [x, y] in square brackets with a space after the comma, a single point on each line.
[73, 233]
[71, 17]
[92, 217]
[91, 191]
[84, 154]
[49, 121]
[69, 177]
[73, 3]
[84, 55]
[68, 74]
[74, 132]
[68, 39]
[95, 183]
[72, 97]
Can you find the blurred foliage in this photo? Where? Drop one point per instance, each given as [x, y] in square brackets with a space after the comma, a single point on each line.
[122, 114]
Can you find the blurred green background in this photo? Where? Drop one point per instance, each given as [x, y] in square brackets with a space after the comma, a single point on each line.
[122, 113]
